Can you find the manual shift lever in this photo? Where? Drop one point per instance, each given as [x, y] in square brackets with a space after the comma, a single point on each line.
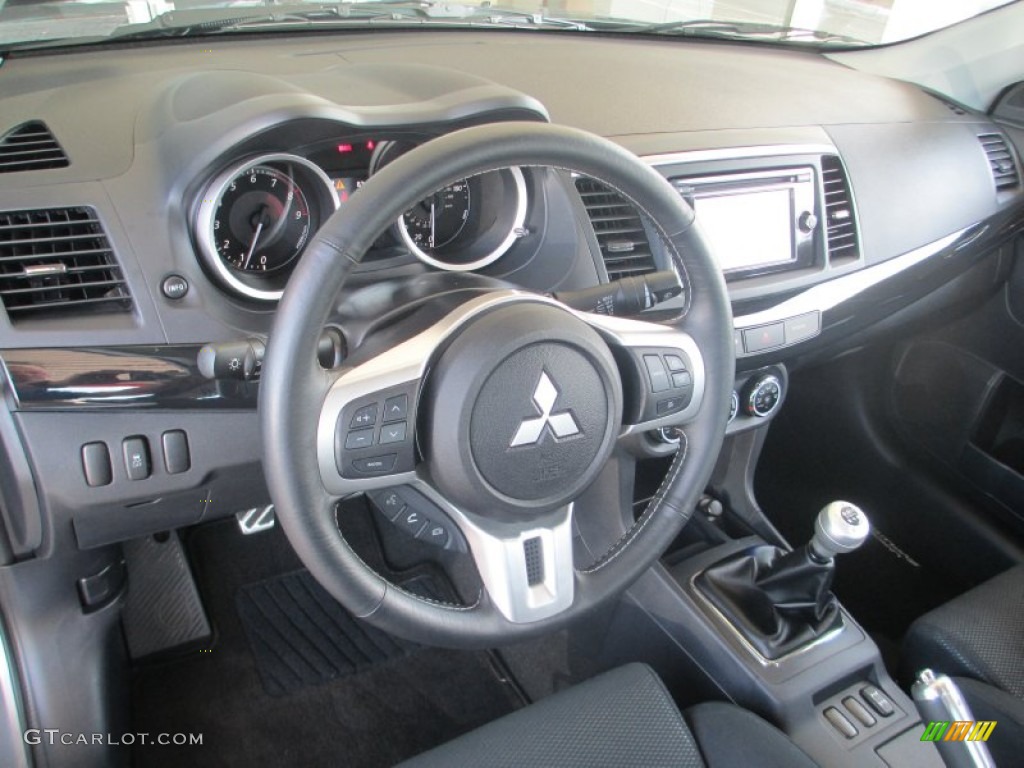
[780, 601]
[841, 527]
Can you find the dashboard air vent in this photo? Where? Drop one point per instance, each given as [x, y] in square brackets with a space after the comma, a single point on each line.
[619, 228]
[30, 147]
[58, 261]
[840, 219]
[1004, 172]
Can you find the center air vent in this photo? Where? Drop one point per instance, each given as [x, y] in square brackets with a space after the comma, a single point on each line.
[619, 228]
[30, 147]
[58, 261]
[840, 218]
[1004, 171]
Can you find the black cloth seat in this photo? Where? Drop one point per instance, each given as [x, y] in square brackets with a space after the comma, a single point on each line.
[978, 640]
[619, 719]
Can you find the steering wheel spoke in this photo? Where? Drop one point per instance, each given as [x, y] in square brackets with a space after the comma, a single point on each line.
[662, 371]
[527, 568]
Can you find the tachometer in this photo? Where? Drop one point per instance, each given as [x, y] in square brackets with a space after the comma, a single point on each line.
[256, 217]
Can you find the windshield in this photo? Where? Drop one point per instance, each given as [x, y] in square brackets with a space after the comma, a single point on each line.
[813, 22]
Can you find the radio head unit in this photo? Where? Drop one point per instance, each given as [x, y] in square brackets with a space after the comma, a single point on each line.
[757, 223]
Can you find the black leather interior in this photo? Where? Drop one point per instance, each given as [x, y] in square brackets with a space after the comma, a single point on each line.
[621, 719]
[779, 601]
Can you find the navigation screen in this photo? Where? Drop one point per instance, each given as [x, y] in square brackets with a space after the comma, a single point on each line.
[748, 229]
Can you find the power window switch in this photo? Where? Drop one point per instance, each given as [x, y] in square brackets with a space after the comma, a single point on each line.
[136, 458]
[96, 464]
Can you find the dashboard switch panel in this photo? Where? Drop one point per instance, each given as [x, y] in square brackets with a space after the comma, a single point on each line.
[764, 337]
[176, 455]
[96, 464]
[136, 458]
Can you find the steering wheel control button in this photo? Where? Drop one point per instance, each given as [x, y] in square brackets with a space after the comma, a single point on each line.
[176, 455]
[436, 532]
[364, 417]
[390, 504]
[375, 465]
[174, 287]
[840, 723]
[412, 521]
[682, 380]
[658, 374]
[396, 408]
[764, 337]
[877, 700]
[136, 458]
[359, 438]
[675, 363]
[672, 405]
[392, 433]
[96, 464]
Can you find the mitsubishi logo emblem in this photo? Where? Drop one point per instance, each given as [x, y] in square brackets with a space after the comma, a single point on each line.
[560, 424]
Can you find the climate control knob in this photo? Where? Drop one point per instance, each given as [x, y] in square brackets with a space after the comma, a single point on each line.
[762, 395]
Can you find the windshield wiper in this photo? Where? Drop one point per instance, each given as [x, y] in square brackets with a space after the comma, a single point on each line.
[741, 30]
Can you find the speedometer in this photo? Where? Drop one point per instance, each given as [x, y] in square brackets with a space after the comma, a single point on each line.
[256, 217]
[438, 220]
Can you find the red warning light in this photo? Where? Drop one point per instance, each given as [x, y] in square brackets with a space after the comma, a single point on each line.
[343, 148]
[371, 144]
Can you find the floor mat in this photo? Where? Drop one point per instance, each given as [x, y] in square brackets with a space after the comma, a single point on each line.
[376, 715]
[301, 636]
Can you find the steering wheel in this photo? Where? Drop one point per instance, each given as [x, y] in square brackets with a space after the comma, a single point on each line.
[500, 409]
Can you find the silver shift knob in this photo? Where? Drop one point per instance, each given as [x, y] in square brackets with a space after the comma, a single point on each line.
[840, 527]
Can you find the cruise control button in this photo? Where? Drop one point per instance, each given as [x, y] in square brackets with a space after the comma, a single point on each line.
[359, 438]
[436, 532]
[377, 465]
[365, 416]
[656, 370]
[396, 408]
[675, 363]
[392, 433]
[412, 521]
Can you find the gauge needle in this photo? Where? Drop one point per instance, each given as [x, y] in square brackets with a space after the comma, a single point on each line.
[433, 206]
[252, 248]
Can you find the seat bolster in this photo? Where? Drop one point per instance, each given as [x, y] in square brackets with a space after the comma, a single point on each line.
[621, 718]
[729, 736]
[979, 634]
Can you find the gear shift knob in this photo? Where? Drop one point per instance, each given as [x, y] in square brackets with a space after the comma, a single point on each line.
[840, 527]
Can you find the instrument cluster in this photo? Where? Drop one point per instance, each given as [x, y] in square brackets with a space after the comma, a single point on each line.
[255, 216]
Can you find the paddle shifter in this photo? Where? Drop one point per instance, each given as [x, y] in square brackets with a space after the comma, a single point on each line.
[780, 601]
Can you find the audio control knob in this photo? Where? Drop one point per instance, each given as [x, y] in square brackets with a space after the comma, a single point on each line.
[762, 396]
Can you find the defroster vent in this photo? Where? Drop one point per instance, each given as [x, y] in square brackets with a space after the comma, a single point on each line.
[58, 261]
[625, 246]
[840, 216]
[1000, 158]
[30, 147]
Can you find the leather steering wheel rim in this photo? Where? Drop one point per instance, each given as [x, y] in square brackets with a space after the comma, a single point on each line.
[293, 385]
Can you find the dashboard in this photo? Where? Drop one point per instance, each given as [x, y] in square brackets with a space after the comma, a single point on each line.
[154, 202]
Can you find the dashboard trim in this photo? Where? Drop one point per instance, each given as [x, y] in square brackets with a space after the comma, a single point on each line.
[830, 294]
[738, 153]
